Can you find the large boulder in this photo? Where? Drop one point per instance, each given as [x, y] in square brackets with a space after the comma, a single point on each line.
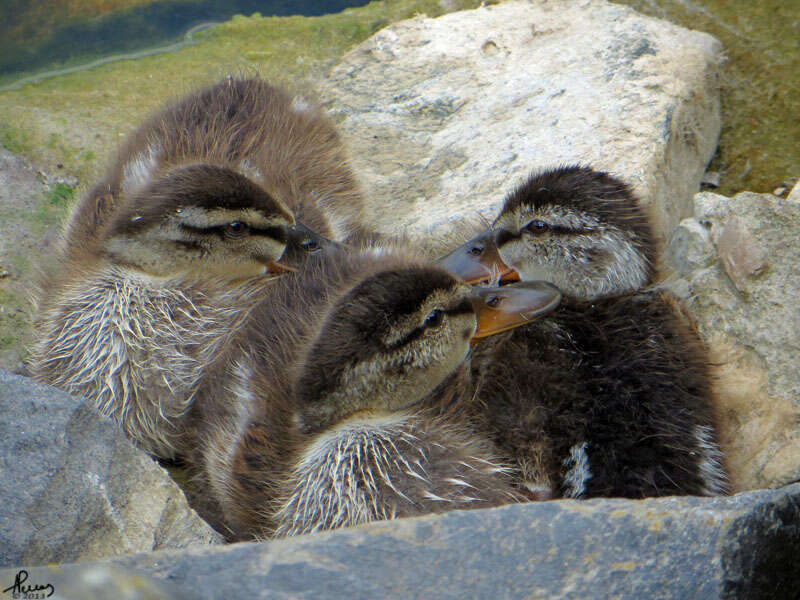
[444, 116]
[738, 548]
[738, 263]
[72, 487]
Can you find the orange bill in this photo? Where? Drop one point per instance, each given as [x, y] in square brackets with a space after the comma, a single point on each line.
[503, 308]
[478, 260]
[279, 268]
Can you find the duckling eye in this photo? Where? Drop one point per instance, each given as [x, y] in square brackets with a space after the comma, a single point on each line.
[310, 245]
[537, 226]
[434, 319]
[476, 250]
[493, 301]
[236, 229]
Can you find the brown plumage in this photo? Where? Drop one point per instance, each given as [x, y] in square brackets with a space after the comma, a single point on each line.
[610, 394]
[329, 408]
[282, 143]
[130, 320]
[161, 260]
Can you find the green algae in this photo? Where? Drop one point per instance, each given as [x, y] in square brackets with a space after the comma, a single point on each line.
[61, 194]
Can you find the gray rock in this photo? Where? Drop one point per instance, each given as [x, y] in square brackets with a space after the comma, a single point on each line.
[95, 582]
[444, 116]
[738, 548]
[72, 487]
[737, 263]
[794, 195]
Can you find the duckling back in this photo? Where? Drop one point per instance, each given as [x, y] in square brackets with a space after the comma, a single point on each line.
[135, 352]
[386, 467]
[285, 144]
[610, 398]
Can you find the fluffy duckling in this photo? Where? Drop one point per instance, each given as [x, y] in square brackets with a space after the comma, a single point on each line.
[161, 260]
[610, 394]
[282, 144]
[314, 417]
[130, 320]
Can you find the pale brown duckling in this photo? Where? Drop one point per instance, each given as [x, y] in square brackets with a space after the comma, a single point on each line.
[281, 143]
[130, 320]
[610, 394]
[161, 259]
[315, 416]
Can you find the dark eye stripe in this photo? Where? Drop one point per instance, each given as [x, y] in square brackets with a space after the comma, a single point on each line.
[189, 245]
[276, 233]
[463, 307]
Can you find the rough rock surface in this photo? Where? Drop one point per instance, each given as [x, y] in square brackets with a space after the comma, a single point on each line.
[737, 548]
[72, 487]
[794, 195]
[738, 263]
[95, 582]
[444, 116]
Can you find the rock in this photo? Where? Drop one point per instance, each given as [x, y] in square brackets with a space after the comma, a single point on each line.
[711, 179]
[737, 264]
[72, 487]
[740, 255]
[794, 195]
[95, 582]
[444, 116]
[738, 548]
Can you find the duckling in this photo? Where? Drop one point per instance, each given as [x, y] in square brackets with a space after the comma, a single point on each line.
[283, 144]
[610, 394]
[315, 416]
[161, 259]
[129, 318]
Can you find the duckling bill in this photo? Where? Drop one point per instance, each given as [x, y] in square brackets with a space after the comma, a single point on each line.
[478, 260]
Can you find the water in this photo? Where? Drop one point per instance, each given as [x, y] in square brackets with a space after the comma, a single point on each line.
[126, 31]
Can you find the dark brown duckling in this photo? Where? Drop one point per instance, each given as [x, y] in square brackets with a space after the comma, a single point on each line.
[320, 413]
[610, 394]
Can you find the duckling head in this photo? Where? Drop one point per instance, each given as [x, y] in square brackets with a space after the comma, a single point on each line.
[199, 219]
[303, 243]
[392, 338]
[578, 228]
